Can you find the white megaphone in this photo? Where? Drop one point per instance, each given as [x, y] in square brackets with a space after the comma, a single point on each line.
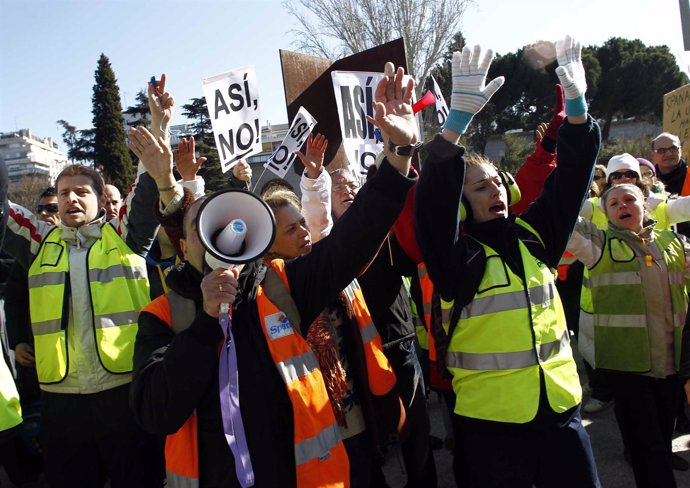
[235, 227]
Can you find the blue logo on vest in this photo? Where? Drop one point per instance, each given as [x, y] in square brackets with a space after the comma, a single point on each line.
[278, 325]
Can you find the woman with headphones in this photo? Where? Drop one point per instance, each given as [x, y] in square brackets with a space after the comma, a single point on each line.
[518, 392]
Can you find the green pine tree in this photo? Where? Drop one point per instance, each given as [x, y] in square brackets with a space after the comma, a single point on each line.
[110, 149]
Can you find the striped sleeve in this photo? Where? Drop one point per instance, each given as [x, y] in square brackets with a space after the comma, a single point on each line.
[25, 234]
[586, 242]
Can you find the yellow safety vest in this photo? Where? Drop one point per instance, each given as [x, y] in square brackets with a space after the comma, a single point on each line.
[621, 335]
[119, 289]
[658, 213]
[507, 336]
[10, 409]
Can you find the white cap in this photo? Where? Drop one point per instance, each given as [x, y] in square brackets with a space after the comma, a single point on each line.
[623, 162]
[667, 136]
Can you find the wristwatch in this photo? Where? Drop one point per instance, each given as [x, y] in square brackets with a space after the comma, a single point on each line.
[405, 150]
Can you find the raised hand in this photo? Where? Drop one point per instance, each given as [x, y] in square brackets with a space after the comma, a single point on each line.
[154, 154]
[313, 160]
[393, 107]
[571, 73]
[187, 164]
[395, 118]
[161, 105]
[470, 91]
[242, 171]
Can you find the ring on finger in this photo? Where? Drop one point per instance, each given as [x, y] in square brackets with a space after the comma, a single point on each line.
[220, 287]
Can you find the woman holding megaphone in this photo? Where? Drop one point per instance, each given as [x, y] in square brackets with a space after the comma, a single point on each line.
[289, 435]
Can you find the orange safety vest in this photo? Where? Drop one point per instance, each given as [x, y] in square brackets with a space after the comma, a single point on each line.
[320, 457]
[436, 381]
[181, 448]
[427, 288]
[686, 184]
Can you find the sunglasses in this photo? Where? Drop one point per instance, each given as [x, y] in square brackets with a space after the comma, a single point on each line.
[597, 177]
[617, 175]
[664, 150]
[48, 208]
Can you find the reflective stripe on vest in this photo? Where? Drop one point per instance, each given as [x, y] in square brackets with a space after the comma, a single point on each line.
[509, 335]
[507, 360]
[181, 448]
[379, 371]
[320, 456]
[119, 289]
[658, 213]
[621, 336]
[427, 288]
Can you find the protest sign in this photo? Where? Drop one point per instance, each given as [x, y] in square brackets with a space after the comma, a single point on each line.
[677, 115]
[283, 157]
[233, 106]
[354, 97]
[308, 84]
[441, 107]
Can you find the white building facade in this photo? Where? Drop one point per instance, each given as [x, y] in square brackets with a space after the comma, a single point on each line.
[25, 154]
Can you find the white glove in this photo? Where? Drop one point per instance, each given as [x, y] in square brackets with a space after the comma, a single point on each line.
[571, 72]
[469, 92]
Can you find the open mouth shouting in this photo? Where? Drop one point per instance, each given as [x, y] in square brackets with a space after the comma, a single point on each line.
[498, 209]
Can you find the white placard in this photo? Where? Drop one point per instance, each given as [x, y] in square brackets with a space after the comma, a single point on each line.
[283, 157]
[233, 105]
[441, 107]
[354, 96]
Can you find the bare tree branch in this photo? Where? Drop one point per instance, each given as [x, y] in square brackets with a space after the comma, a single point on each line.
[337, 28]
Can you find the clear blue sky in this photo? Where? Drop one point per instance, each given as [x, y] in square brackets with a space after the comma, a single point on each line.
[50, 48]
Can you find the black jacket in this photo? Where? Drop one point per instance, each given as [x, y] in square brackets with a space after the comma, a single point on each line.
[674, 181]
[175, 375]
[386, 295]
[552, 215]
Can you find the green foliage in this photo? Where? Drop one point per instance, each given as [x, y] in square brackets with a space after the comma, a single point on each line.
[79, 143]
[518, 149]
[625, 79]
[634, 79]
[639, 147]
[139, 112]
[197, 112]
[110, 150]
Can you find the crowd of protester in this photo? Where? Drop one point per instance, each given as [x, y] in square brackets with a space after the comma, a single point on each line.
[124, 366]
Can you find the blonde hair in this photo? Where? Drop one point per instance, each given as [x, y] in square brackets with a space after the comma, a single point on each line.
[476, 159]
[281, 197]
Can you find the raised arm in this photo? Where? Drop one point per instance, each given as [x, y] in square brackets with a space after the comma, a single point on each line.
[333, 263]
[539, 165]
[439, 190]
[161, 106]
[554, 213]
[25, 231]
[316, 188]
[188, 166]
